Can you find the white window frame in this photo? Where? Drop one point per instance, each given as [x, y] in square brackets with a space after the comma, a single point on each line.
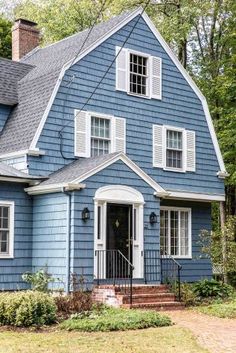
[148, 81]
[104, 117]
[11, 206]
[183, 131]
[179, 209]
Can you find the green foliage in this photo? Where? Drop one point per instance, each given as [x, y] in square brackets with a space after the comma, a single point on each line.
[5, 37]
[188, 295]
[211, 244]
[27, 309]
[223, 310]
[112, 319]
[38, 280]
[76, 302]
[212, 288]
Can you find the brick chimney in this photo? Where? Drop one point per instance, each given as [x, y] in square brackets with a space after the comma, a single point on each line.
[25, 37]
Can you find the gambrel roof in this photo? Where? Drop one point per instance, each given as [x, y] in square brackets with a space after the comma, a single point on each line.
[38, 88]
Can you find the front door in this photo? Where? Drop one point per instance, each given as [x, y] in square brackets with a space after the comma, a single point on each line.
[119, 237]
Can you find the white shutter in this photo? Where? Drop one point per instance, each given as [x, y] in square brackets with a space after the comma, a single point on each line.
[121, 69]
[190, 151]
[156, 77]
[119, 135]
[82, 134]
[158, 146]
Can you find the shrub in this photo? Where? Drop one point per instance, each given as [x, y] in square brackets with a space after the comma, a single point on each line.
[26, 309]
[76, 302]
[212, 288]
[38, 280]
[188, 295]
[113, 319]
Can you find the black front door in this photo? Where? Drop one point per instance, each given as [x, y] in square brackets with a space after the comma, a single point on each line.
[119, 232]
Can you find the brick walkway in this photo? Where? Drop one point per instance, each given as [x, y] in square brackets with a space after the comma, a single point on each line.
[215, 334]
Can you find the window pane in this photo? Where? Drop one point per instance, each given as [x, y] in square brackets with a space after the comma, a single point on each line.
[174, 139]
[164, 232]
[100, 132]
[184, 246]
[174, 159]
[174, 242]
[138, 74]
[4, 241]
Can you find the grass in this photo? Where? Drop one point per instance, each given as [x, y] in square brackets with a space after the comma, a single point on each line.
[112, 319]
[222, 310]
[154, 340]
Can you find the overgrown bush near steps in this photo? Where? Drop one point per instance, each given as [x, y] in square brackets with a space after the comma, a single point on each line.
[204, 291]
[27, 308]
[76, 302]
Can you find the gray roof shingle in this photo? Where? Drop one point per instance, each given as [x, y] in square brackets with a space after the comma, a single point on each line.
[10, 73]
[35, 89]
[77, 169]
[8, 171]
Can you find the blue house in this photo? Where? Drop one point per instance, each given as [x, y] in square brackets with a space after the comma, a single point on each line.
[108, 155]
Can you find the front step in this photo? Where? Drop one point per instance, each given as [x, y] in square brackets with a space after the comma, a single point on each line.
[159, 306]
[156, 297]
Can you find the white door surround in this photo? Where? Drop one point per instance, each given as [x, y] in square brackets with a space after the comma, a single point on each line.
[119, 194]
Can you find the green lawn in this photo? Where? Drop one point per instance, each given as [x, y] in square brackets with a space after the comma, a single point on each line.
[223, 310]
[154, 340]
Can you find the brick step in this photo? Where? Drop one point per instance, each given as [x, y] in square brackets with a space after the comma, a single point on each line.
[150, 298]
[146, 289]
[159, 306]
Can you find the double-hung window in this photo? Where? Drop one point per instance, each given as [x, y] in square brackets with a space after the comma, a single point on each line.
[6, 229]
[100, 136]
[175, 231]
[138, 74]
[174, 149]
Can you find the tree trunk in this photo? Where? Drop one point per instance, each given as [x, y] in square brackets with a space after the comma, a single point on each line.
[223, 241]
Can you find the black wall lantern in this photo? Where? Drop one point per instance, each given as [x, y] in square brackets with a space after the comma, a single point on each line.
[85, 214]
[153, 218]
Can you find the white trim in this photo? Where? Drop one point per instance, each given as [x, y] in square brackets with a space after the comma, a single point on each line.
[29, 152]
[19, 180]
[121, 156]
[179, 209]
[11, 205]
[178, 129]
[72, 61]
[192, 85]
[182, 195]
[53, 188]
[119, 194]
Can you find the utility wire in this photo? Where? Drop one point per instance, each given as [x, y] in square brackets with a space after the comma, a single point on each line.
[73, 76]
[104, 75]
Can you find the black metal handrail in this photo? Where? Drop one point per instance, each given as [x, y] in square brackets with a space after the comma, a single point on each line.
[113, 266]
[162, 268]
[170, 272]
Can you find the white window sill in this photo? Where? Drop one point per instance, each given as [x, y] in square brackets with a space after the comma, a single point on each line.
[187, 257]
[174, 170]
[138, 95]
[8, 256]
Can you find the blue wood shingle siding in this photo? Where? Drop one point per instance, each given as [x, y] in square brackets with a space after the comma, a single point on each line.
[4, 113]
[179, 107]
[199, 266]
[12, 269]
[49, 234]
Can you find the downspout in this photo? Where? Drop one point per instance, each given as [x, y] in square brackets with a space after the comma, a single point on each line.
[68, 238]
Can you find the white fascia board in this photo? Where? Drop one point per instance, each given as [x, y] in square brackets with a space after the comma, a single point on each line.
[72, 62]
[192, 196]
[53, 188]
[121, 156]
[193, 86]
[29, 152]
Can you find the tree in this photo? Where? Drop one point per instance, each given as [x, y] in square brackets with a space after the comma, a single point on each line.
[5, 37]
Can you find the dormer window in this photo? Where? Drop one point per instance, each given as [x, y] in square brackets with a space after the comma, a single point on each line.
[138, 74]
